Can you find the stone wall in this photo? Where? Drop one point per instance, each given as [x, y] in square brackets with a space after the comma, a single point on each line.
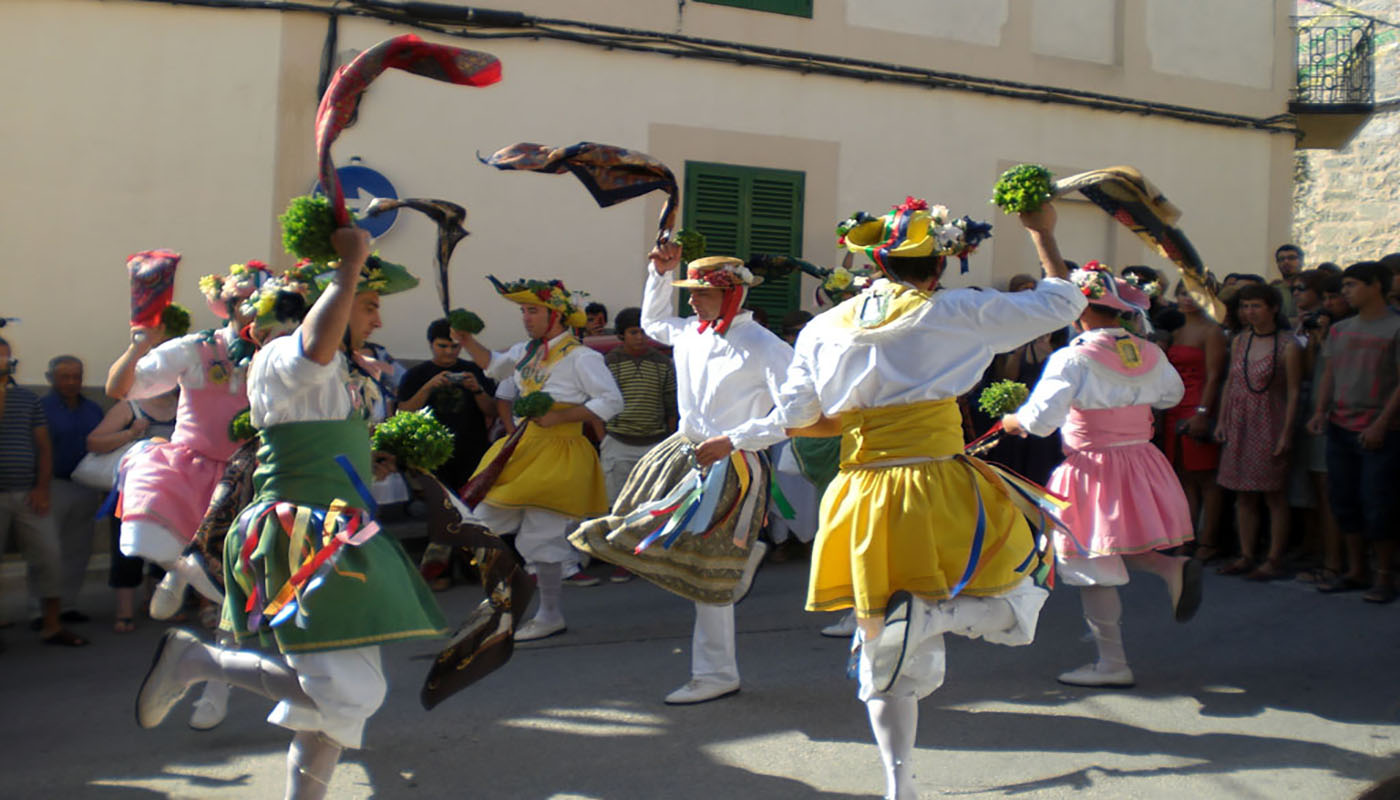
[1346, 202]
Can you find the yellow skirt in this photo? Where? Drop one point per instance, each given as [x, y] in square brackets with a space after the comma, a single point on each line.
[554, 468]
[911, 527]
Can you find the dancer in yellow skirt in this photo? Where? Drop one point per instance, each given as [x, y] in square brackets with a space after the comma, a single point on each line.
[918, 538]
[553, 478]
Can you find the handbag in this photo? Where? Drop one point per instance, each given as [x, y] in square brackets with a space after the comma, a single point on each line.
[99, 470]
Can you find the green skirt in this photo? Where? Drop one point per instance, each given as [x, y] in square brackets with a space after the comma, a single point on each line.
[372, 594]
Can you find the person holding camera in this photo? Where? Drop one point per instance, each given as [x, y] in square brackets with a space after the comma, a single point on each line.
[460, 396]
[1310, 464]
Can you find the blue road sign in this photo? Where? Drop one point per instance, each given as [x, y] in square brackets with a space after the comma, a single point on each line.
[361, 185]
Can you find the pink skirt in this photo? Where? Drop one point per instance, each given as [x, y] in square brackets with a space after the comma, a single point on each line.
[170, 484]
[1123, 500]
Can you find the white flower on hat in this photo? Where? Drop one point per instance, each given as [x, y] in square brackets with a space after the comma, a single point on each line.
[948, 236]
[939, 213]
[742, 273]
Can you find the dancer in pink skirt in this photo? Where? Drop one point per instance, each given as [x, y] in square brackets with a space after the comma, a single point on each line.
[165, 489]
[1126, 502]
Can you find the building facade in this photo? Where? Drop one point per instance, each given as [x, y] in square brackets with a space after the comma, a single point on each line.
[136, 125]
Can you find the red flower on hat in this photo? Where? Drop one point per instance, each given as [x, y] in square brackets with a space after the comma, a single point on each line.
[257, 265]
[912, 204]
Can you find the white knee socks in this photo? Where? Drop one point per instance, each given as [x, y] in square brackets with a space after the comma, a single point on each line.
[895, 720]
[311, 762]
[549, 578]
[1103, 610]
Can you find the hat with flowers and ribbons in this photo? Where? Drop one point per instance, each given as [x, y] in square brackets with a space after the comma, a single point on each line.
[912, 229]
[717, 272]
[550, 294]
[1102, 288]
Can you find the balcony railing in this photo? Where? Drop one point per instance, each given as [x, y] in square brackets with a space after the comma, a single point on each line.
[1335, 61]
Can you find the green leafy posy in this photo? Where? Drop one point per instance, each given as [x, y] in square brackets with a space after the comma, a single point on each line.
[463, 320]
[1002, 398]
[307, 226]
[416, 439]
[1025, 187]
[175, 320]
[240, 428]
[692, 244]
[534, 404]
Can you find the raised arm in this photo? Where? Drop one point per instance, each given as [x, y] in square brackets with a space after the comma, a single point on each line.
[1041, 226]
[323, 331]
[659, 319]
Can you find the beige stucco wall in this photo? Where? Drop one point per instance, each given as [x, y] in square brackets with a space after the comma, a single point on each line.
[196, 140]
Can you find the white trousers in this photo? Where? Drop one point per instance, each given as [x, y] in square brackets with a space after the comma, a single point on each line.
[541, 536]
[618, 460]
[152, 541]
[38, 540]
[347, 686]
[712, 649]
[1008, 619]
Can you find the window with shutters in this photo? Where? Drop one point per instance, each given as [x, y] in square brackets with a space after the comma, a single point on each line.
[747, 211]
[795, 8]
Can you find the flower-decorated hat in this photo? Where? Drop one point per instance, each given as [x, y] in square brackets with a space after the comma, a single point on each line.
[911, 229]
[548, 294]
[1102, 288]
[224, 292]
[717, 272]
[281, 302]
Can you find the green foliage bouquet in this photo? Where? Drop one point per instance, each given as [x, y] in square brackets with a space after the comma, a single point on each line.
[416, 439]
[463, 320]
[1025, 187]
[1002, 398]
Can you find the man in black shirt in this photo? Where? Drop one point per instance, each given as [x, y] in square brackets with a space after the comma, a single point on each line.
[460, 396]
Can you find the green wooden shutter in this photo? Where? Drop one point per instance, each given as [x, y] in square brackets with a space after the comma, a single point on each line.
[795, 8]
[744, 211]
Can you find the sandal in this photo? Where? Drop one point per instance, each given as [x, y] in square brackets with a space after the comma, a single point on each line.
[124, 625]
[1317, 575]
[1269, 570]
[1343, 583]
[1239, 566]
[64, 638]
[1380, 593]
[1207, 553]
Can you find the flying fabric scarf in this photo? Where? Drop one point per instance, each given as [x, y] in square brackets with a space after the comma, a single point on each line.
[611, 174]
[408, 53]
[1127, 196]
[152, 274]
[448, 217]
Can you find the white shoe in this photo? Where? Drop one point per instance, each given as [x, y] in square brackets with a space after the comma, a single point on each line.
[843, 628]
[534, 629]
[887, 650]
[1092, 675]
[191, 566]
[169, 596]
[163, 687]
[701, 690]
[757, 551]
[211, 707]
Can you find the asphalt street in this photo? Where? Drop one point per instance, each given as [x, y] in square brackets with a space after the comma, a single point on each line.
[1273, 691]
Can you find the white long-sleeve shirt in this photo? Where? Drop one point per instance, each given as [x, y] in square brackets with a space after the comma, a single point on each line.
[180, 362]
[1073, 379]
[580, 377]
[726, 385]
[935, 352]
